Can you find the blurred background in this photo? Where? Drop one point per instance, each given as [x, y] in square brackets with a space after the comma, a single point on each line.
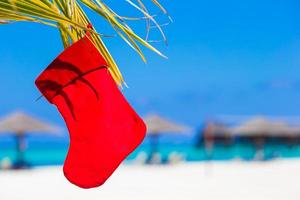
[229, 91]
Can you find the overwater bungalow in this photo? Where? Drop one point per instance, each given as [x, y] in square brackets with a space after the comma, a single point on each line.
[260, 130]
[257, 132]
[215, 132]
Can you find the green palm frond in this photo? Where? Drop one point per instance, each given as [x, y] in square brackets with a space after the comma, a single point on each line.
[69, 17]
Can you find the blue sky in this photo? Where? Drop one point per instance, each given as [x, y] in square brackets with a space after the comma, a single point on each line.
[225, 57]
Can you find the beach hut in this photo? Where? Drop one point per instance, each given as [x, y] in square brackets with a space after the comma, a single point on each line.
[214, 133]
[260, 126]
[259, 129]
[19, 124]
[218, 132]
[157, 125]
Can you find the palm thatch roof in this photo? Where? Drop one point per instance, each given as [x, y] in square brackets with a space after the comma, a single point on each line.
[20, 123]
[263, 126]
[157, 124]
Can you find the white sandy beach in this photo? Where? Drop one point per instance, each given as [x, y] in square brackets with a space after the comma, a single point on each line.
[195, 181]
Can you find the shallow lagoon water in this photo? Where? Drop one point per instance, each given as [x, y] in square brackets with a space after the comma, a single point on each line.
[55, 154]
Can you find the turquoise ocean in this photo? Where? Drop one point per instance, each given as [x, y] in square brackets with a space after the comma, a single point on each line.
[54, 154]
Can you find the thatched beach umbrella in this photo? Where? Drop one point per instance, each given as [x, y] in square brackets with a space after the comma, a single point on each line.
[157, 125]
[19, 124]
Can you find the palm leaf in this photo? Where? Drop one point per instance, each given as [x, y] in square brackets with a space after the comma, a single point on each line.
[69, 17]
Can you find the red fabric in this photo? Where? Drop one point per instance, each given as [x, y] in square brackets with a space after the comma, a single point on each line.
[103, 127]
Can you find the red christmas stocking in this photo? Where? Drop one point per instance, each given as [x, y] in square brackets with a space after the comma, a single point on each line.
[103, 127]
